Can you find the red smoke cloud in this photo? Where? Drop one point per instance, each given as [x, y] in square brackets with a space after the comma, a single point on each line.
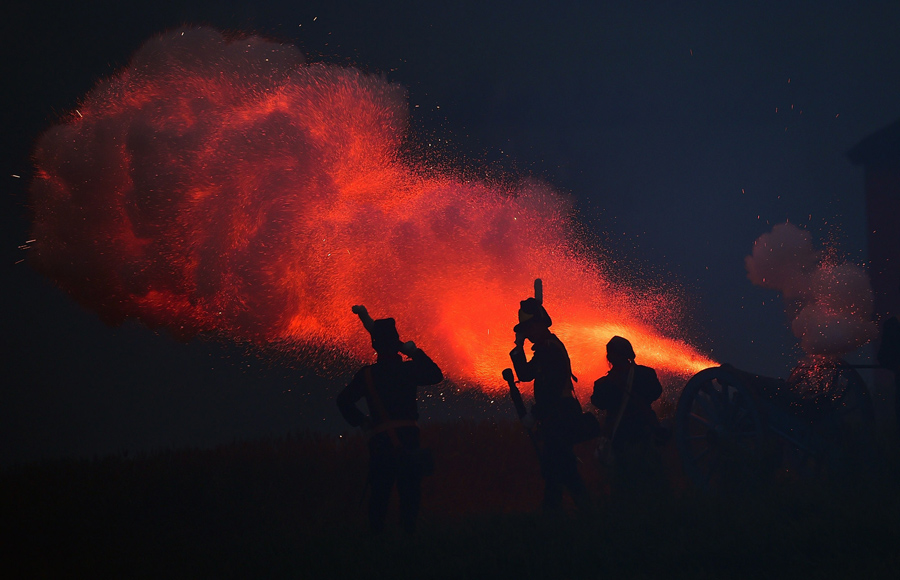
[228, 187]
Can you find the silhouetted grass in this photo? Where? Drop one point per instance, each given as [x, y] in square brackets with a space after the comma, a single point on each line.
[291, 508]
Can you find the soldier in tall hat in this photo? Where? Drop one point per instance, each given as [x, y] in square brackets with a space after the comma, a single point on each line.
[555, 408]
[389, 387]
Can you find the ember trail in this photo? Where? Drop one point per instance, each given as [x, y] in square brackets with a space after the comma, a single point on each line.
[229, 187]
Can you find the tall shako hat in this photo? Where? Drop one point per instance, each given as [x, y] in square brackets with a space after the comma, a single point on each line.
[385, 337]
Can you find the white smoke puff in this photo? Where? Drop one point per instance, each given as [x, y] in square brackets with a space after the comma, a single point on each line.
[833, 302]
[783, 260]
[824, 331]
[838, 319]
[844, 287]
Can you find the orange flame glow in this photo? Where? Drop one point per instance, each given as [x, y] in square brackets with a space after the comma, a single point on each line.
[228, 187]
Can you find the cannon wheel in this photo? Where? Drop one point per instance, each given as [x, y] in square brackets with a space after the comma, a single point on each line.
[719, 431]
[842, 418]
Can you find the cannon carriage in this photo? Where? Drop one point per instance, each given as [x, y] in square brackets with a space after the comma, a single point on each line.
[733, 428]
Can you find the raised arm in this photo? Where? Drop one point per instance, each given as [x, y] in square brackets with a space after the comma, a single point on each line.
[423, 370]
[524, 368]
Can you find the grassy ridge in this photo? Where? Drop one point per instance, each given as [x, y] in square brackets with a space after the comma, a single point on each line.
[291, 508]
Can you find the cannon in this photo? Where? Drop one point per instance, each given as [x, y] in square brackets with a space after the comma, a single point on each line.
[735, 429]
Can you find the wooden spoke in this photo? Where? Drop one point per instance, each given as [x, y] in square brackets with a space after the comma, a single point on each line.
[708, 406]
[702, 420]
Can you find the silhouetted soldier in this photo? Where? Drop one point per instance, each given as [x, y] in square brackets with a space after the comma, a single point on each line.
[389, 387]
[626, 394]
[555, 408]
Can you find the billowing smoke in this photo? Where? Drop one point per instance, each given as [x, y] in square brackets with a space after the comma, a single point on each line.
[227, 187]
[829, 302]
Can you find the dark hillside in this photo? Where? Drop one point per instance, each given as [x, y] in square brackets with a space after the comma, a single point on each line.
[291, 508]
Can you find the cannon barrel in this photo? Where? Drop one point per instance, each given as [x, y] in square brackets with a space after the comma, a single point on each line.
[760, 384]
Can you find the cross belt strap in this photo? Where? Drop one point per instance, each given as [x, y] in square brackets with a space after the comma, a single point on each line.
[629, 382]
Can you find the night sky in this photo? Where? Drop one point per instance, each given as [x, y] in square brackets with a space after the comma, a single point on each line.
[682, 131]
